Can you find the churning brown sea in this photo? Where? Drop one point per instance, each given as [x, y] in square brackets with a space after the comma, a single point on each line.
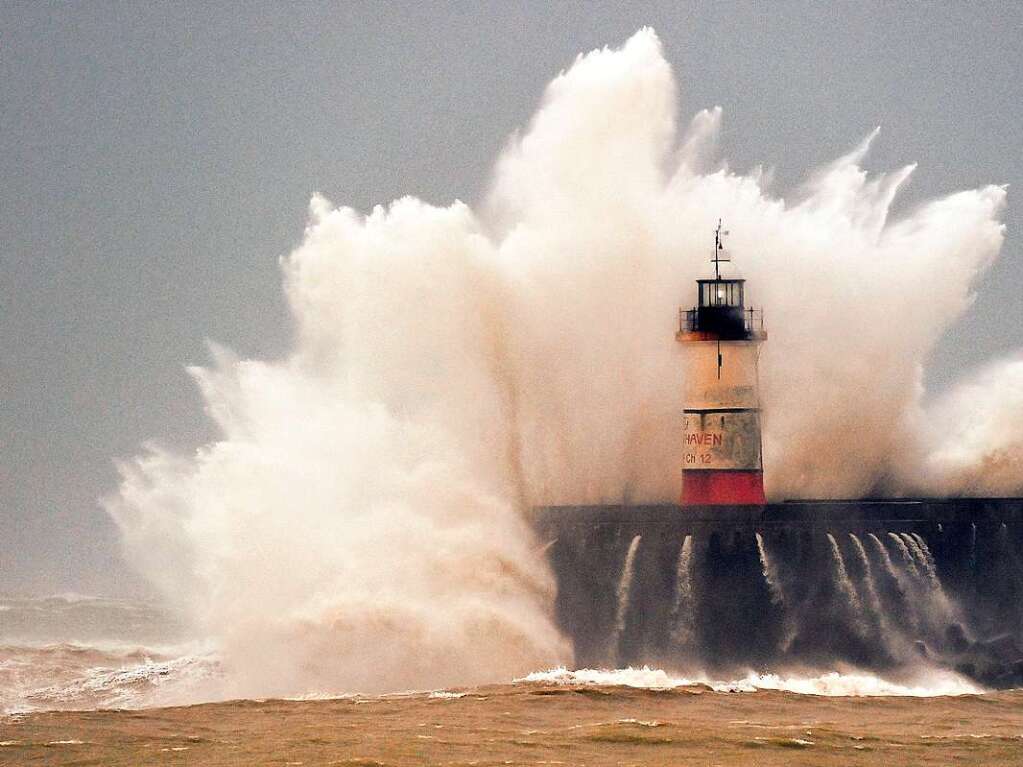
[535, 723]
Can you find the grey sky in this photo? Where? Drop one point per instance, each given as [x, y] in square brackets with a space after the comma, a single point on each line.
[158, 159]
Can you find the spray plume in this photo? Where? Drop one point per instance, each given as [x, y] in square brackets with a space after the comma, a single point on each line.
[357, 524]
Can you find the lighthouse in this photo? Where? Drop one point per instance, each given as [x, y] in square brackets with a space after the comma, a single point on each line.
[722, 462]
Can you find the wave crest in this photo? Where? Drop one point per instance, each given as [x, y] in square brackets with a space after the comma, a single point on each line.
[933, 683]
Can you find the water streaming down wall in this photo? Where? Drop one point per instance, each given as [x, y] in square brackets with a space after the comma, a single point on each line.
[770, 575]
[683, 617]
[623, 593]
[850, 600]
[769, 597]
[875, 608]
[907, 556]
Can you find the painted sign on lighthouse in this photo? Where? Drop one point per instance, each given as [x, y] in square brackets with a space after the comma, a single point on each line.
[721, 446]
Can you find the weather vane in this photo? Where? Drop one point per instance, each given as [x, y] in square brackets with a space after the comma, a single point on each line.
[719, 246]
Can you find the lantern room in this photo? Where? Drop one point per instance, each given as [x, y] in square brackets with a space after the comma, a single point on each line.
[721, 310]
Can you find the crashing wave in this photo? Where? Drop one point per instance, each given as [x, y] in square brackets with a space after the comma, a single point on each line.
[78, 677]
[931, 683]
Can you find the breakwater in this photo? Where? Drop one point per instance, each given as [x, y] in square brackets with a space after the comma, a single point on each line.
[879, 585]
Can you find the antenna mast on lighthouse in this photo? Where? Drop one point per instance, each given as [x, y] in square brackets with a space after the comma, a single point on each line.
[719, 245]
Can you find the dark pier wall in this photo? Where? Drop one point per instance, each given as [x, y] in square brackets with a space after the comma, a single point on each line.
[879, 585]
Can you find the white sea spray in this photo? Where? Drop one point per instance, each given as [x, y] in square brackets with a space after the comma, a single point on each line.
[357, 523]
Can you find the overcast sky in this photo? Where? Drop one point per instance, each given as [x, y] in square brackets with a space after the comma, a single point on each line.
[157, 160]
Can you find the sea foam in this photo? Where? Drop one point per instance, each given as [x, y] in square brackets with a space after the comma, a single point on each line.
[931, 683]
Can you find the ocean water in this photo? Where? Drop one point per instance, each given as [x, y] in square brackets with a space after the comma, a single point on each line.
[77, 652]
[71, 652]
[119, 682]
[557, 718]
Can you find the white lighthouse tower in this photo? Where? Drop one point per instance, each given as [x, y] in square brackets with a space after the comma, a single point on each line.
[722, 463]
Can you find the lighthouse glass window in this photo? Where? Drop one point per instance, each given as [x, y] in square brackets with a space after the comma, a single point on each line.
[721, 293]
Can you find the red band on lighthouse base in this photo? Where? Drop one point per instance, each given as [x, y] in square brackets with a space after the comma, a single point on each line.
[723, 488]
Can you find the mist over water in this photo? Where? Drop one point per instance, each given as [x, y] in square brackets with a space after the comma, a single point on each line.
[358, 523]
